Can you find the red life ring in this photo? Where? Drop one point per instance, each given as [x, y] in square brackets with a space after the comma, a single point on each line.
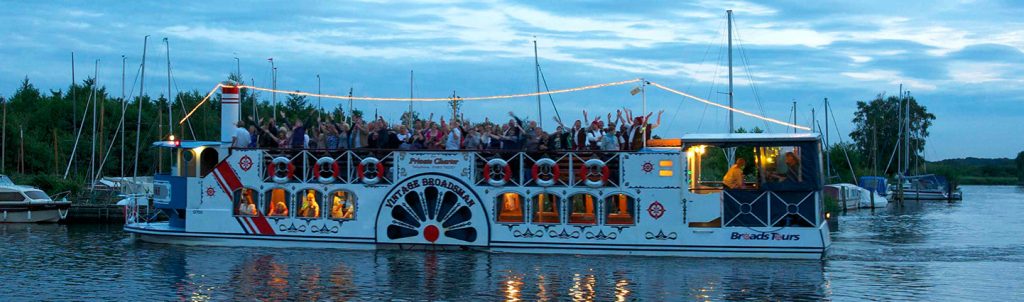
[505, 169]
[361, 170]
[555, 172]
[273, 171]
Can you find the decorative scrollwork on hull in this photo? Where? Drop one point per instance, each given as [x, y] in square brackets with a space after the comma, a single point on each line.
[660, 236]
[528, 234]
[564, 234]
[601, 235]
[292, 228]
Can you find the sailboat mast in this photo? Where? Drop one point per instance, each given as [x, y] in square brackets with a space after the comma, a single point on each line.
[729, 14]
[410, 118]
[92, 155]
[124, 106]
[536, 72]
[138, 121]
[828, 147]
[170, 97]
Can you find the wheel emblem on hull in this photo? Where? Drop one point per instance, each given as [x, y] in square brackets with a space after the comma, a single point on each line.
[245, 163]
[656, 210]
[434, 210]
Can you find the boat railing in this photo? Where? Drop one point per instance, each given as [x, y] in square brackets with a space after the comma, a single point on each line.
[490, 167]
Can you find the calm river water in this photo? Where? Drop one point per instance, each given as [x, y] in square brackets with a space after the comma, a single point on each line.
[972, 250]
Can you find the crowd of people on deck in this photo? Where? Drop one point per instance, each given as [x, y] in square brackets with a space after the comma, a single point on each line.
[623, 131]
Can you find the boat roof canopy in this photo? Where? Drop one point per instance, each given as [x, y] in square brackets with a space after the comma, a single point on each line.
[184, 144]
[735, 139]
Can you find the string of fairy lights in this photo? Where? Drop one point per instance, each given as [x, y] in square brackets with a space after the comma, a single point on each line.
[492, 97]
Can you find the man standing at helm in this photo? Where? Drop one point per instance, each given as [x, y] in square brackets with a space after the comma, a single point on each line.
[734, 178]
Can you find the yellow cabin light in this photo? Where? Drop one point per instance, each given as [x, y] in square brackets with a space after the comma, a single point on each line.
[664, 172]
[665, 163]
[171, 138]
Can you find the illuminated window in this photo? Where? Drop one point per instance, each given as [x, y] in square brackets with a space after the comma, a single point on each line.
[277, 201]
[546, 208]
[619, 209]
[309, 205]
[343, 205]
[582, 207]
[510, 207]
[245, 202]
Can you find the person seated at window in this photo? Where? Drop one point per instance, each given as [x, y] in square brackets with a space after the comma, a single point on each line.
[278, 208]
[340, 209]
[792, 170]
[246, 206]
[310, 208]
[734, 178]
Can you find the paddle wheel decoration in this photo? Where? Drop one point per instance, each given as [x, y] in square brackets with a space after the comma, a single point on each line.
[432, 209]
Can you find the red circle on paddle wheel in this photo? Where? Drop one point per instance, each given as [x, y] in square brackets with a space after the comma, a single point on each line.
[430, 233]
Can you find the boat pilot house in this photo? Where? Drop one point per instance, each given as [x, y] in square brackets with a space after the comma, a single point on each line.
[726, 195]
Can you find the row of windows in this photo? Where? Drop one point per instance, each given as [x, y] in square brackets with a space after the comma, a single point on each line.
[306, 203]
[582, 209]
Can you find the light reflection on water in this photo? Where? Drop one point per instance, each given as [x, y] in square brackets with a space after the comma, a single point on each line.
[924, 251]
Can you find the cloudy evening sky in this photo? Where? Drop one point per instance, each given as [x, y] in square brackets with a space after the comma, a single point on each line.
[962, 59]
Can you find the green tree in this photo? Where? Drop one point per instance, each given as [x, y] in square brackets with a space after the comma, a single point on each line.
[877, 129]
[1020, 167]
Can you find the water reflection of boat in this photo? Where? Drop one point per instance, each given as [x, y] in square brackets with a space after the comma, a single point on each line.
[926, 187]
[29, 204]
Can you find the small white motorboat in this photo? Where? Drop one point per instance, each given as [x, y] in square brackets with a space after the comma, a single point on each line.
[852, 196]
[19, 204]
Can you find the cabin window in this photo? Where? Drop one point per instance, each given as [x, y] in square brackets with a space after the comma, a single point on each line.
[343, 205]
[245, 202]
[11, 197]
[619, 209]
[277, 202]
[309, 203]
[511, 208]
[710, 170]
[582, 209]
[546, 208]
[36, 195]
[208, 160]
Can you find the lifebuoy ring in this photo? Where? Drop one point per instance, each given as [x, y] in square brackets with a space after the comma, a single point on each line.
[506, 172]
[589, 172]
[279, 174]
[326, 162]
[553, 171]
[378, 168]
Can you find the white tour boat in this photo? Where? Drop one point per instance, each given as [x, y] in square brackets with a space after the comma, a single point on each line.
[666, 200]
[28, 204]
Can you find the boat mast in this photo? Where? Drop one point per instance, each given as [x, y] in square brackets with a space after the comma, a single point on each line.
[536, 72]
[410, 118]
[170, 98]
[828, 148]
[92, 155]
[729, 15]
[319, 107]
[138, 124]
[124, 107]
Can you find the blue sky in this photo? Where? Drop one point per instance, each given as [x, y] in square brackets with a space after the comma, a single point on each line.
[962, 59]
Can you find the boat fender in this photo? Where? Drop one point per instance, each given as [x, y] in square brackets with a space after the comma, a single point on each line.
[505, 170]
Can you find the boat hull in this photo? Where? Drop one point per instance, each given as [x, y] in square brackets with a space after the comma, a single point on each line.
[34, 213]
[163, 234]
